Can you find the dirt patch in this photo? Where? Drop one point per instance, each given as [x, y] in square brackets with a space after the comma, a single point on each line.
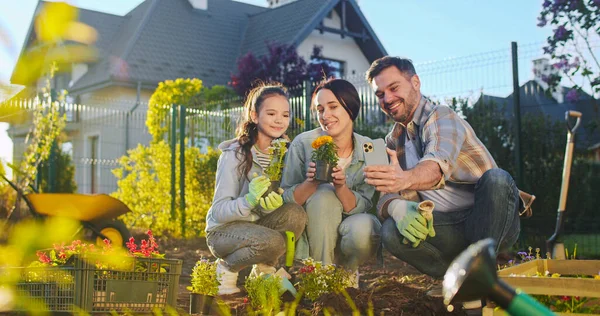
[393, 289]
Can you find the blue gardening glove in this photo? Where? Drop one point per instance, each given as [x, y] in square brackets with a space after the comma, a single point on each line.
[412, 225]
[257, 187]
[271, 202]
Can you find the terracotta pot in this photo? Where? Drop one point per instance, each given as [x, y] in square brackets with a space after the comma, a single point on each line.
[202, 304]
[324, 171]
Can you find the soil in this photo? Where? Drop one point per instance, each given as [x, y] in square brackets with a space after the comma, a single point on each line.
[393, 289]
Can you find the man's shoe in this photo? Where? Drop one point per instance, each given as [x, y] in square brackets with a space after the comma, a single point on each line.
[227, 279]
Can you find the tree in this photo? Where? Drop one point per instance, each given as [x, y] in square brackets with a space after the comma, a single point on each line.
[188, 92]
[144, 174]
[283, 64]
[575, 23]
[179, 92]
[65, 175]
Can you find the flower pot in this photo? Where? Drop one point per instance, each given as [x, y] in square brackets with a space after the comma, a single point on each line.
[324, 171]
[274, 187]
[202, 304]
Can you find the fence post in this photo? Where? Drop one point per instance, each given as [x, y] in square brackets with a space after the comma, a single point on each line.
[182, 114]
[517, 113]
[307, 89]
[52, 158]
[173, 158]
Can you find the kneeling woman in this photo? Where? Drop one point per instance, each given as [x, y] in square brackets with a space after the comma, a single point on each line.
[338, 230]
[242, 227]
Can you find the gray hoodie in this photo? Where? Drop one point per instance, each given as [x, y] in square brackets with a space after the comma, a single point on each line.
[229, 203]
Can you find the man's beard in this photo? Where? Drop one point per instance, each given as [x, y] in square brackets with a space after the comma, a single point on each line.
[409, 105]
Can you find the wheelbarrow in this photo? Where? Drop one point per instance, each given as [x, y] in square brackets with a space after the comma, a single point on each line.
[97, 213]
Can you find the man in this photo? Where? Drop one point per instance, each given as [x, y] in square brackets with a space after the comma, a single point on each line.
[435, 156]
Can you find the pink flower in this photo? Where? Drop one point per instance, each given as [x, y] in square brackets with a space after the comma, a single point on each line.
[131, 245]
[43, 257]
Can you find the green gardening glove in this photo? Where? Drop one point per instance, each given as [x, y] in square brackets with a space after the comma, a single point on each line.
[412, 225]
[257, 187]
[271, 202]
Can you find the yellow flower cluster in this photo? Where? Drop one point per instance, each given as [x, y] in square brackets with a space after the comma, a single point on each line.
[321, 141]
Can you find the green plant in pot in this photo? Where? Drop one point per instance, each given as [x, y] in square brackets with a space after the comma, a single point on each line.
[325, 157]
[205, 286]
[278, 149]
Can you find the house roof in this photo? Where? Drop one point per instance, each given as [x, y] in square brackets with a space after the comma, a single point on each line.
[168, 39]
[535, 101]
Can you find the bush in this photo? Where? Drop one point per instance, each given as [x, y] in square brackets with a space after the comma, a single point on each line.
[317, 279]
[264, 293]
[144, 178]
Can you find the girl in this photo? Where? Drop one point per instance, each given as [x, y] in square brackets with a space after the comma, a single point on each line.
[338, 229]
[242, 227]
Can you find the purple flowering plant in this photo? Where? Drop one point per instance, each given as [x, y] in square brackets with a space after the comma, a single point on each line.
[575, 25]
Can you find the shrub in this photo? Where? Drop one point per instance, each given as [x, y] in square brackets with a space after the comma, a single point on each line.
[144, 178]
[204, 278]
[317, 279]
[264, 293]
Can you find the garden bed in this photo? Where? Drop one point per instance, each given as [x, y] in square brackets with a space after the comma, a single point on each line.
[395, 289]
[572, 278]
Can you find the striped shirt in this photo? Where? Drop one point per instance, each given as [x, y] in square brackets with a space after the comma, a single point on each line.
[439, 134]
[263, 159]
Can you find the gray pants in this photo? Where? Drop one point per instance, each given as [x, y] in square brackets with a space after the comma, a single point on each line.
[241, 244]
[334, 237]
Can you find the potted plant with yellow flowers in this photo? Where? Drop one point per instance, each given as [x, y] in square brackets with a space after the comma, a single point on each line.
[204, 288]
[325, 157]
[274, 171]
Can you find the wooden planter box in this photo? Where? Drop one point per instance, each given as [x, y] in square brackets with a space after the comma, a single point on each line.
[524, 277]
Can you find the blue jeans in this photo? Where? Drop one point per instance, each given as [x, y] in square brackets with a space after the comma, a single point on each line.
[241, 244]
[494, 214]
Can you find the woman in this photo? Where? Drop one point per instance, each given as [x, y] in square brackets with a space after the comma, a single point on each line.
[242, 227]
[338, 229]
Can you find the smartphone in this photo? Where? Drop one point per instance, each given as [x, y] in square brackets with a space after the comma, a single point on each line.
[375, 153]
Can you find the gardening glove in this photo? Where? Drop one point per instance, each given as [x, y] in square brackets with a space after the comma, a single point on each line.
[258, 186]
[412, 225]
[271, 202]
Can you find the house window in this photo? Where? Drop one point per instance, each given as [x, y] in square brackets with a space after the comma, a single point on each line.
[336, 65]
[94, 154]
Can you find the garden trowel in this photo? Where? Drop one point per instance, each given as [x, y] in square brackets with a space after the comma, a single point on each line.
[554, 247]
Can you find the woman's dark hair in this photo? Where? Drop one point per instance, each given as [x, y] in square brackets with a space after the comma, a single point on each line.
[344, 92]
[247, 130]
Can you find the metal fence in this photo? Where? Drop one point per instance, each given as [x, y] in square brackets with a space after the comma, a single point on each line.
[98, 135]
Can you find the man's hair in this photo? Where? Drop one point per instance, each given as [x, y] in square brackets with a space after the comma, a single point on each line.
[405, 66]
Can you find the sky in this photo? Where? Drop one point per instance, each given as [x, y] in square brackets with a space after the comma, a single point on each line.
[424, 31]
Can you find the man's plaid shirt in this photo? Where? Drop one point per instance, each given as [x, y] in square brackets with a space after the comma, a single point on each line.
[440, 135]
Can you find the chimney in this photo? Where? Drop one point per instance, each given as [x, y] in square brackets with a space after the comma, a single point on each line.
[543, 69]
[199, 4]
[277, 3]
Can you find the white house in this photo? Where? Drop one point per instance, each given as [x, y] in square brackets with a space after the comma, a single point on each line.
[168, 39]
